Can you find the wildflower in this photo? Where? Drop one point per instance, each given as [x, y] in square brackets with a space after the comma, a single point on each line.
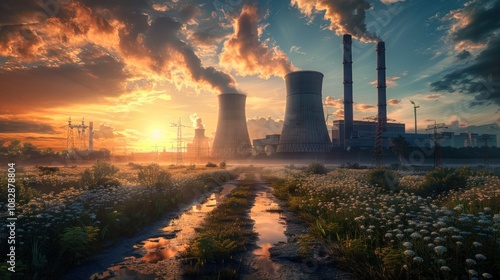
[459, 243]
[441, 262]
[470, 262]
[440, 249]
[415, 235]
[388, 235]
[407, 245]
[400, 235]
[409, 253]
[477, 244]
[418, 259]
[487, 276]
[431, 245]
[472, 272]
[480, 257]
[445, 269]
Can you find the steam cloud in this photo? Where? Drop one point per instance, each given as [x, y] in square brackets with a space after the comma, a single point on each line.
[247, 55]
[197, 122]
[344, 16]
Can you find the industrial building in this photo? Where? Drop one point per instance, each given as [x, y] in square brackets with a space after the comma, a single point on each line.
[199, 149]
[231, 138]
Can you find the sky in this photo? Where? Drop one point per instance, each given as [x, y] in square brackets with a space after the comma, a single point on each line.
[134, 67]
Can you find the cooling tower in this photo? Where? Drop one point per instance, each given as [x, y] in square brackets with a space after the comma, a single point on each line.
[348, 112]
[381, 86]
[231, 138]
[304, 128]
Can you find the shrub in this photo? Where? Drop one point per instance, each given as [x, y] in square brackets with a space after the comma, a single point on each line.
[383, 177]
[101, 174]
[316, 168]
[222, 165]
[78, 242]
[444, 179]
[47, 170]
[153, 175]
[211, 164]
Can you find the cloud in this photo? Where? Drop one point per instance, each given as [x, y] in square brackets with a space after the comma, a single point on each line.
[463, 55]
[104, 132]
[432, 96]
[393, 101]
[197, 122]
[480, 77]
[391, 1]
[15, 126]
[295, 49]
[247, 55]
[339, 114]
[389, 81]
[332, 102]
[364, 107]
[344, 16]
[259, 127]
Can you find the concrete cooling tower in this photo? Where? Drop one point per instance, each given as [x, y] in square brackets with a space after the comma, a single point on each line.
[304, 128]
[231, 139]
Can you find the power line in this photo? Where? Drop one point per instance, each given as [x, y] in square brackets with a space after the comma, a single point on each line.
[437, 143]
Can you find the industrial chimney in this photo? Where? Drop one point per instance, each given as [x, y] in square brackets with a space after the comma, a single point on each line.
[231, 138]
[348, 112]
[304, 128]
[91, 136]
[381, 86]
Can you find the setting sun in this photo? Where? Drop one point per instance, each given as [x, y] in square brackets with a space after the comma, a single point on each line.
[156, 134]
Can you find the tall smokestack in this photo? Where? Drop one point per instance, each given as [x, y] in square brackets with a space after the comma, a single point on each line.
[382, 106]
[231, 138]
[348, 113]
[91, 136]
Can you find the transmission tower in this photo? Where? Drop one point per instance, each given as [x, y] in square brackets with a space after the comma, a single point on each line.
[70, 141]
[485, 139]
[437, 141]
[378, 154]
[179, 140]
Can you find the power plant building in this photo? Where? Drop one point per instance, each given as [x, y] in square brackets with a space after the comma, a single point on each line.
[304, 127]
[231, 138]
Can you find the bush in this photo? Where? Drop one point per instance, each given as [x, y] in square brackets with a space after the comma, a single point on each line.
[444, 179]
[211, 164]
[78, 242]
[316, 168]
[47, 170]
[222, 165]
[383, 177]
[154, 176]
[101, 174]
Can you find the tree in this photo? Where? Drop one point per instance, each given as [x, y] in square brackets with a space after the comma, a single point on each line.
[15, 150]
[400, 147]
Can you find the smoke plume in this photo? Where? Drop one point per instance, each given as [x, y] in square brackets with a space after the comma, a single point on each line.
[197, 122]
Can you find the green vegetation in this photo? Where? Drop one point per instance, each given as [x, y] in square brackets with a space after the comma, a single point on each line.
[210, 164]
[225, 232]
[384, 178]
[154, 176]
[101, 175]
[316, 168]
[453, 234]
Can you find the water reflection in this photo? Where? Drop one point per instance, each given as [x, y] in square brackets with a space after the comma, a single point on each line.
[121, 273]
[271, 229]
[215, 199]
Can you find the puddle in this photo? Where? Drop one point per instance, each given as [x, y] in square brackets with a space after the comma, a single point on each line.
[271, 229]
[171, 240]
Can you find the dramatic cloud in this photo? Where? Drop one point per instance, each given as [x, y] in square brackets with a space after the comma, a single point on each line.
[13, 126]
[247, 55]
[259, 127]
[393, 101]
[104, 132]
[339, 114]
[332, 102]
[463, 55]
[389, 81]
[432, 96]
[344, 16]
[391, 1]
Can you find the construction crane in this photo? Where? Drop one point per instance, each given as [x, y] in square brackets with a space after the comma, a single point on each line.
[485, 139]
[437, 145]
[415, 107]
[179, 140]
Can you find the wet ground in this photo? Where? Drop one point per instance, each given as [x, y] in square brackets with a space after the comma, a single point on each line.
[154, 253]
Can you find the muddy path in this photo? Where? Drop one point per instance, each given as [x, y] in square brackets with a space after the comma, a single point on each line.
[151, 253]
[277, 252]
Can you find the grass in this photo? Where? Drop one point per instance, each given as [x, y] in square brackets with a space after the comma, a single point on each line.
[225, 232]
[452, 232]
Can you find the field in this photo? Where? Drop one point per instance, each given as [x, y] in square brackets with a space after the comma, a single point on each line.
[382, 224]
[66, 215]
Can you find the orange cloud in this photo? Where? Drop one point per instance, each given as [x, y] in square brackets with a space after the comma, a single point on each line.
[247, 55]
[389, 81]
[364, 107]
[332, 102]
[344, 16]
[393, 101]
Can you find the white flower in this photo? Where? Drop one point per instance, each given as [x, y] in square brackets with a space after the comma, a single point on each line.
[388, 235]
[487, 276]
[409, 253]
[470, 262]
[407, 245]
[400, 235]
[472, 272]
[440, 249]
[418, 259]
[445, 268]
[477, 244]
[441, 262]
[415, 235]
[480, 257]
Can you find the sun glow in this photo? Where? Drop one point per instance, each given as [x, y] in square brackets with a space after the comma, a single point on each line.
[156, 134]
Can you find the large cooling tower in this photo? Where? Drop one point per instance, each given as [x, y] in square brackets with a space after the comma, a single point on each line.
[304, 128]
[231, 139]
